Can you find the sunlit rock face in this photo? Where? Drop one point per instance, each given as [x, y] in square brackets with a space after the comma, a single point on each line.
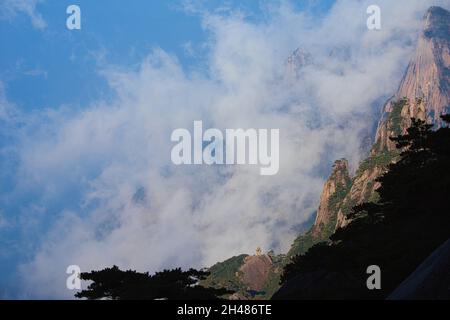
[336, 185]
[424, 93]
[426, 83]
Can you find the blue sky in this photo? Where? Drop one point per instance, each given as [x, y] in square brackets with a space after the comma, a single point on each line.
[37, 64]
[68, 167]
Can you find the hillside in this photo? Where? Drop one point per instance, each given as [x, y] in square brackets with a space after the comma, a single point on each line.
[424, 93]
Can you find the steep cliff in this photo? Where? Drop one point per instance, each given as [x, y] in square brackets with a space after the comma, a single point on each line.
[396, 234]
[332, 195]
[424, 93]
[334, 191]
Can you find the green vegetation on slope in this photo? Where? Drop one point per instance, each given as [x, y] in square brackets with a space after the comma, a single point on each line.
[227, 274]
[304, 242]
[397, 233]
[224, 274]
[382, 160]
[395, 117]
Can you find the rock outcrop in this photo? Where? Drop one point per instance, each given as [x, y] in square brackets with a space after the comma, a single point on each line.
[249, 276]
[335, 189]
[424, 93]
[333, 193]
[255, 272]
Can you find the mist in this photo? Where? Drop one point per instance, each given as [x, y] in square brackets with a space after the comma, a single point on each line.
[102, 178]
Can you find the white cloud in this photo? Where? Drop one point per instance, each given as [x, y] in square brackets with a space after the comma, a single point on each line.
[10, 8]
[3, 222]
[139, 211]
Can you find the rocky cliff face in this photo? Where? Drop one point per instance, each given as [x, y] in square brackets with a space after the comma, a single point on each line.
[425, 89]
[427, 80]
[424, 93]
[333, 192]
[255, 271]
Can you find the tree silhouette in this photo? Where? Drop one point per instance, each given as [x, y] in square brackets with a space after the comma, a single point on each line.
[397, 233]
[113, 283]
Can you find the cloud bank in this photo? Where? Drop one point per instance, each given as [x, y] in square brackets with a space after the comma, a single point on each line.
[102, 176]
[9, 9]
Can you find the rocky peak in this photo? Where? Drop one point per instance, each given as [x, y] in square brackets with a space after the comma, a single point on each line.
[437, 23]
[424, 92]
[333, 192]
[255, 271]
[297, 61]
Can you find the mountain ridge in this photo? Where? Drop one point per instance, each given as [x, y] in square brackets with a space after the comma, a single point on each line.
[423, 93]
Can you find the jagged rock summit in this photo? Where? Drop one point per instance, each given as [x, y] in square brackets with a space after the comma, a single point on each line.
[425, 86]
[424, 93]
[335, 188]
